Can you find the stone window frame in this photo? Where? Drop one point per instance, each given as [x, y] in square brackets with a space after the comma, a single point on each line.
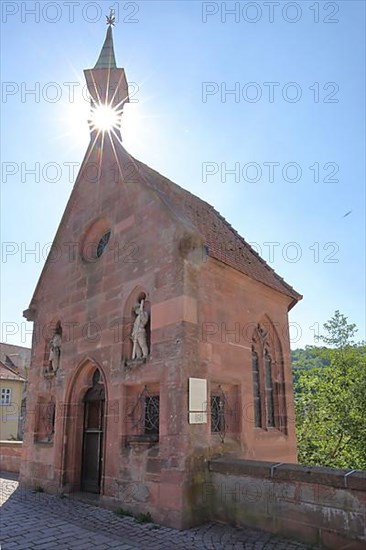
[268, 390]
[90, 249]
[136, 425]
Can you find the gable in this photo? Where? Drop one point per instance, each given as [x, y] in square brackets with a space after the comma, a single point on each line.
[110, 176]
[110, 189]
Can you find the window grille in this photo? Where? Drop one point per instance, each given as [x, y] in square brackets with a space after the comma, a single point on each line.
[152, 414]
[145, 414]
[220, 412]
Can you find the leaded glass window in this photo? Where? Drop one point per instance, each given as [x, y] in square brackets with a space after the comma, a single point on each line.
[103, 243]
[256, 391]
[269, 390]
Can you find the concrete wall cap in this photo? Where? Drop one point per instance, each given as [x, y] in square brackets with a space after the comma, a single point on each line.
[342, 479]
[355, 480]
[237, 466]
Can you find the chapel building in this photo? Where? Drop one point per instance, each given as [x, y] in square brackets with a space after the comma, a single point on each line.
[160, 337]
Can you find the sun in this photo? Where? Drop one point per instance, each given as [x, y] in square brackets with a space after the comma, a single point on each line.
[105, 118]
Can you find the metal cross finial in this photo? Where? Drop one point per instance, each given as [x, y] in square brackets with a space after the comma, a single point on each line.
[111, 18]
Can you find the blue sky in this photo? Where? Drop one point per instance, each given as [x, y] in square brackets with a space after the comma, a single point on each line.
[184, 58]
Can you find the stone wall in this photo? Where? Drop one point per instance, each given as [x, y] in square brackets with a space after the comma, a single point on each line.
[10, 455]
[226, 330]
[319, 506]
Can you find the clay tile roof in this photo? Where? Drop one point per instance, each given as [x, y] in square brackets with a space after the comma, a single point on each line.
[223, 242]
[6, 373]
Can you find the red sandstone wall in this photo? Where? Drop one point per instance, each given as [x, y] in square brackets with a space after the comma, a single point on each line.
[144, 252]
[320, 506]
[10, 455]
[230, 306]
[152, 250]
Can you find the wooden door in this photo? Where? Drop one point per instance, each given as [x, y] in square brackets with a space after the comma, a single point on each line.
[92, 459]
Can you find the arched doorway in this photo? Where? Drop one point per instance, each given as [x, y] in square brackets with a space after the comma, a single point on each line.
[93, 435]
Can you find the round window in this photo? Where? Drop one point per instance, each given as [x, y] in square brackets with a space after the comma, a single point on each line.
[96, 240]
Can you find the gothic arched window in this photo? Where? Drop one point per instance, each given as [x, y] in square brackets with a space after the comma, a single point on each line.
[268, 379]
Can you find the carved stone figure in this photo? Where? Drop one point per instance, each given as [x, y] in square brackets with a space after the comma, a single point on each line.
[138, 336]
[55, 352]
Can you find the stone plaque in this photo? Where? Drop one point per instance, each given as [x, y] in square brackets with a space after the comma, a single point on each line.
[197, 400]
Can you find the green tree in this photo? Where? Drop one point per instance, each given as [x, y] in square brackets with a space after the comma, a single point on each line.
[308, 358]
[331, 401]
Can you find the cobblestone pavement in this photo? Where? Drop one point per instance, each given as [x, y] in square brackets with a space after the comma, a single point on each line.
[38, 521]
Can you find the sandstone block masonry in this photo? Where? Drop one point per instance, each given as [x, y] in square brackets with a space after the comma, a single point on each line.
[319, 506]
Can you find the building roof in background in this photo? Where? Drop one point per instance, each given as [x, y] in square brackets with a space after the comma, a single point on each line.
[16, 358]
[6, 373]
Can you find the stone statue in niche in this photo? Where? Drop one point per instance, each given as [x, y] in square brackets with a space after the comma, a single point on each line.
[55, 351]
[138, 337]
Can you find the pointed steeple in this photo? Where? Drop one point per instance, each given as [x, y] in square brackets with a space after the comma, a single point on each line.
[107, 84]
[106, 59]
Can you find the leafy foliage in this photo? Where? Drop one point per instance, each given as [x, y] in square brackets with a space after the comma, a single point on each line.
[141, 518]
[122, 512]
[309, 358]
[330, 398]
[144, 518]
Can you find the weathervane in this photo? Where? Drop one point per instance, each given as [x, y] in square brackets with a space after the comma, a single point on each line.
[111, 18]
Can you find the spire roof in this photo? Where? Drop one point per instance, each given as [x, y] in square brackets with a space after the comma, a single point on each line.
[106, 59]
